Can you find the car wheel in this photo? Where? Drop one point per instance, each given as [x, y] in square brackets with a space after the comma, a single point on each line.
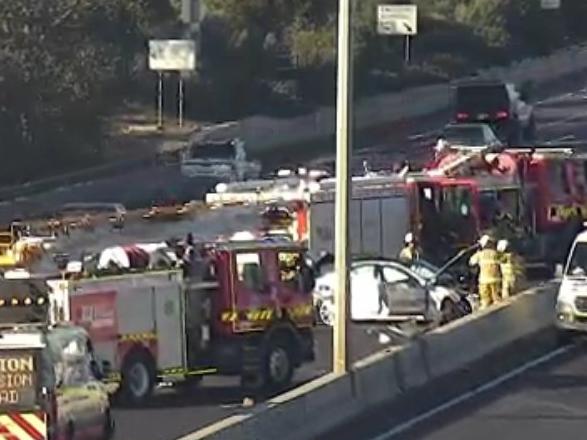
[138, 378]
[448, 312]
[279, 363]
[326, 313]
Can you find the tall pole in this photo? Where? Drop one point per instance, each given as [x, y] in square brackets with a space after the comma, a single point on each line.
[343, 153]
[160, 100]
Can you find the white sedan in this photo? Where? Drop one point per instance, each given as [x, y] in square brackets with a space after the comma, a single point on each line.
[387, 291]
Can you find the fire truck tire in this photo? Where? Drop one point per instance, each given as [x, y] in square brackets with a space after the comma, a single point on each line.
[138, 377]
[278, 365]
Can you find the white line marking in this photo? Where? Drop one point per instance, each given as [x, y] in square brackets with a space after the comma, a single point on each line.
[470, 394]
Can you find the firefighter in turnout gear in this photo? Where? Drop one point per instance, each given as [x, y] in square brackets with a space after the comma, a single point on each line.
[510, 269]
[410, 252]
[487, 259]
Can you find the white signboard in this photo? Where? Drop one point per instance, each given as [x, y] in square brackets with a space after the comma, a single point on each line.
[550, 4]
[176, 55]
[397, 19]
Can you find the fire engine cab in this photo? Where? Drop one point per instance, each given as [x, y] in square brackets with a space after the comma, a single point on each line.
[245, 310]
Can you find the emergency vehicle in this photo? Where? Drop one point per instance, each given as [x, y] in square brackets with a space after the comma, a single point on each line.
[50, 386]
[246, 309]
[18, 248]
[541, 190]
[284, 201]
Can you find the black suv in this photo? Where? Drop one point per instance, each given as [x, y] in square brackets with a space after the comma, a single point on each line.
[499, 104]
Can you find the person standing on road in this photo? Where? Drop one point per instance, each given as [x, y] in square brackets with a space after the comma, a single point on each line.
[510, 269]
[410, 252]
[487, 260]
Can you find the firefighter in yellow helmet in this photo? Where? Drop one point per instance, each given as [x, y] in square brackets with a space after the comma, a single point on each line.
[487, 259]
[510, 269]
[410, 252]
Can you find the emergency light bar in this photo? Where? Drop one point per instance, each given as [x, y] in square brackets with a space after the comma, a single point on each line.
[23, 301]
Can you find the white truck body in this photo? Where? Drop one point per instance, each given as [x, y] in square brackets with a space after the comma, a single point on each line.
[379, 217]
[118, 311]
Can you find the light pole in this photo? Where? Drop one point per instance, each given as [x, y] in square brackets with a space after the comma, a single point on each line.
[343, 157]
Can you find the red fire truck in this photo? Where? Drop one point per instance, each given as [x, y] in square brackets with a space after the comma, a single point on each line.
[542, 191]
[246, 311]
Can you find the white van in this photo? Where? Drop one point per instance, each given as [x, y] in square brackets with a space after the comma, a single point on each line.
[571, 303]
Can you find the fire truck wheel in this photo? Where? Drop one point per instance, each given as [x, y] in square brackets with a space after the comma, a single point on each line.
[138, 377]
[279, 362]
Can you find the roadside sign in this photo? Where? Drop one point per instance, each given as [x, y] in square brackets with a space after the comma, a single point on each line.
[397, 20]
[177, 55]
[550, 4]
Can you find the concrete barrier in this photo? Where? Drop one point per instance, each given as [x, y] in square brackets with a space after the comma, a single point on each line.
[321, 405]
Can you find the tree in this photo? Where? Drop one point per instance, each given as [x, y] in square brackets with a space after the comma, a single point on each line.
[59, 59]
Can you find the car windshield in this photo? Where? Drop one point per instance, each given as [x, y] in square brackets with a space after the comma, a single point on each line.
[425, 270]
[465, 135]
[577, 265]
[213, 151]
[481, 98]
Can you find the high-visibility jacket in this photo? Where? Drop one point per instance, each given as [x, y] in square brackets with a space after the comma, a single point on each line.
[488, 262]
[409, 254]
[510, 265]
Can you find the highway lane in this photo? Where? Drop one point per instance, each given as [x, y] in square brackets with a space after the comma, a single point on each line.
[542, 399]
[171, 414]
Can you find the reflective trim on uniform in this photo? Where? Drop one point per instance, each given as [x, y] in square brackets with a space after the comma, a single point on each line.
[488, 262]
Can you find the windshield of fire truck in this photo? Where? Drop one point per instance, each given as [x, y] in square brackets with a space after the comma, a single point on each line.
[456, 212]
[494, 204]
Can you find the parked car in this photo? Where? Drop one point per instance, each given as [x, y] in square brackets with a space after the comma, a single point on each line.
[225, 160]
[472, 136]
[386, 290]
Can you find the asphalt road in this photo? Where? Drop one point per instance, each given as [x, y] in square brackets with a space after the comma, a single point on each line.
[543, 398]
[546, 402]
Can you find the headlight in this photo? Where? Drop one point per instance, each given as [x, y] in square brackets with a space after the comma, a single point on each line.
[324, 291]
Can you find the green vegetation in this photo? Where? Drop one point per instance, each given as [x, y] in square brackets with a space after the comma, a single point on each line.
[68, 63]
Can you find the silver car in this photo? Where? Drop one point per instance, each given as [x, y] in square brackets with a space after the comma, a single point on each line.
[386, 290]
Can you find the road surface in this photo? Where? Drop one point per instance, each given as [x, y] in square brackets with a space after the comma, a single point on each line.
[542, 398]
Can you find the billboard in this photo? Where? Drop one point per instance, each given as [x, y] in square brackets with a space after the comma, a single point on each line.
[175, 55]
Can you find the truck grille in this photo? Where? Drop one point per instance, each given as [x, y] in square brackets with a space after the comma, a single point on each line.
[581, 304]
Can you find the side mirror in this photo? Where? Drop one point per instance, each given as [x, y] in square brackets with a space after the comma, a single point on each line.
[558, 271]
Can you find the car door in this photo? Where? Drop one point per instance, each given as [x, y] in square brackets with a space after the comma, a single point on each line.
[405, 295]
[364, 287]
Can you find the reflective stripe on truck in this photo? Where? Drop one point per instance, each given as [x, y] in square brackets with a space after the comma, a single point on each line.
[23, 426]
